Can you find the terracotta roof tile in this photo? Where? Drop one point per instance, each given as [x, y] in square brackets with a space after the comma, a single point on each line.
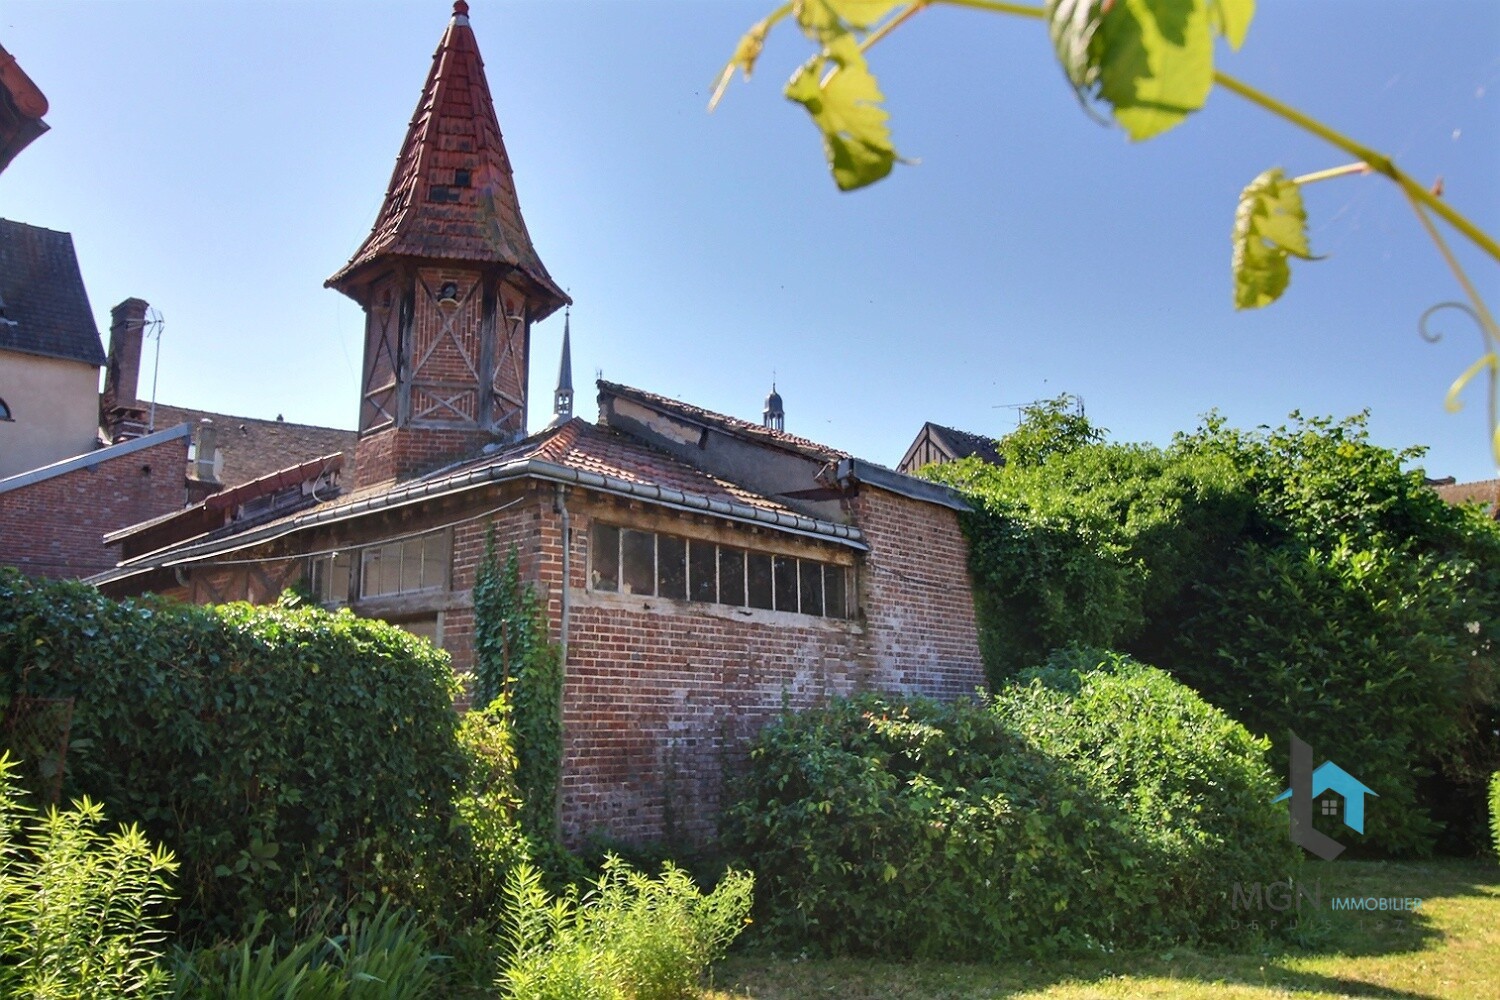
[254, 448]
[452, 196]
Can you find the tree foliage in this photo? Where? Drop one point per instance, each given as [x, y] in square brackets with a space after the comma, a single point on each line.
[1299, 577]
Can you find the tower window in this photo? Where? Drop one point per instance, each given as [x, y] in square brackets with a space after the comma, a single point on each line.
[5, 411]
[461, 178]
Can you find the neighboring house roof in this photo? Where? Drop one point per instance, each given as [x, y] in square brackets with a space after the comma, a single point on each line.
[964, 444]
[234, 506]
[730, 425]
[1485, 491]
[93, 458]
[452, 196]
[44, 308]
[577, 453]
[253, 448]
[22, 105]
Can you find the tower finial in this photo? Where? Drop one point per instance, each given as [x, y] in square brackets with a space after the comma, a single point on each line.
[460, 8]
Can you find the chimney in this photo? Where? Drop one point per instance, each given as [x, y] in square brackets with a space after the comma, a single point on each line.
[119, 409]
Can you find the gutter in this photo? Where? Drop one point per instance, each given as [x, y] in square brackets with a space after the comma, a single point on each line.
[533, 468]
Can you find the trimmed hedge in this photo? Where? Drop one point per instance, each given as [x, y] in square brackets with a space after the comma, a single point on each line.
[1114, 808]
[289, 757]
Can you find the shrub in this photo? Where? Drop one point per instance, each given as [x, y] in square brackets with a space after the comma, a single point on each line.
[383, 956]
[1043, 821]
[289, 757]
[632, 937]
[80, 911]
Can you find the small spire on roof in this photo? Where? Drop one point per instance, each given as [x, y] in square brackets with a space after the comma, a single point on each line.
[562, 399]
[460, 9]
[774, 415]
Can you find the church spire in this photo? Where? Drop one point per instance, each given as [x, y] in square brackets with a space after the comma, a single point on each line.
[774, 415]
[562, 399]
[450, 282]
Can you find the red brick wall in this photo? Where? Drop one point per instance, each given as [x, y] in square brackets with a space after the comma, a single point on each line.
[55, 527]
[917, 596]
[662, 696]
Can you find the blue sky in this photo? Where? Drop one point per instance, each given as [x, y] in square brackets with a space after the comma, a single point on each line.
[222, 159]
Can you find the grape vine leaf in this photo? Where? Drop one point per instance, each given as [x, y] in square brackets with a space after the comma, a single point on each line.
[1151, 61]
[1231, 18]
[748, 50]
[845, 105]
[1270, 225]
[824, 20]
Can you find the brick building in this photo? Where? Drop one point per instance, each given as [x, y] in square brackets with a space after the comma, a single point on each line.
[699, 571]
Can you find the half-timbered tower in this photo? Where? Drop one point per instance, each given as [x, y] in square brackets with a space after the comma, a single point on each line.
[449, 281]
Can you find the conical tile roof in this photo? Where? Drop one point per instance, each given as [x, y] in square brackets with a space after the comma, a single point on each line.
[452, 196]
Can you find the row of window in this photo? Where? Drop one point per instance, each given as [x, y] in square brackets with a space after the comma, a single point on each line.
[629, 561]
[409, 566]
[624, 560]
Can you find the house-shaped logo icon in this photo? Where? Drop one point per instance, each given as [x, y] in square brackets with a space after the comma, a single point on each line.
[1330, 777]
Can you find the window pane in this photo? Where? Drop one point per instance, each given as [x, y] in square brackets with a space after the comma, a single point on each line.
[390, 568]
[338, 579]
[758, 569]
[435, 561]
[411, 565]
[834, 591]
[732, 577]
[671, 567]
[785, 572]
[369, 580]
[604, 550]
[810, 577]
[703, 571]
[638, 572]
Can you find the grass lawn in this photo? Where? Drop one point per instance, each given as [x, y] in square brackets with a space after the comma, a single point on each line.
[1450, 947]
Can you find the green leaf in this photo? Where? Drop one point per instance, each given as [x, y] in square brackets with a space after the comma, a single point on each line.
[1231, 18]
[1156, 62]
[824, 20]
[1269, 226]
[745, 55]
[1150, 60]
[845, 106]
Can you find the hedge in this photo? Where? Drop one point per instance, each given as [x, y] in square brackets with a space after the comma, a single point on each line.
[289, 757]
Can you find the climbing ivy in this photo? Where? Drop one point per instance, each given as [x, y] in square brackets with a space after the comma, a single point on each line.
[515, 661]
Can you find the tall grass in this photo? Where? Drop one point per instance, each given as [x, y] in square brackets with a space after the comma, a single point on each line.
[631, 937]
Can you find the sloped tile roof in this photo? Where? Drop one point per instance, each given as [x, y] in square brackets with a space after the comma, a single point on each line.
[452, 196]
[965, 444]
[727, 424]
[253, 449]
[46, 308]
[1485, 491]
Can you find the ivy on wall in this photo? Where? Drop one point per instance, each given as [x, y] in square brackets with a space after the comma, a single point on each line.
[514, 661]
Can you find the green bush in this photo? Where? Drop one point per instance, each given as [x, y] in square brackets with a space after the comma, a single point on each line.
[80, 911]
[632, 937]
[1301, 578]
[290, 758]
[383, 956]
[1117, 813]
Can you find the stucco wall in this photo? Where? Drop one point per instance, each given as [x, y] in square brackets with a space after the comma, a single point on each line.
[54, 407]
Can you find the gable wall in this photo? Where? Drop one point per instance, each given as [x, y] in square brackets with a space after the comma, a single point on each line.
[55, 408]
[55, 527]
